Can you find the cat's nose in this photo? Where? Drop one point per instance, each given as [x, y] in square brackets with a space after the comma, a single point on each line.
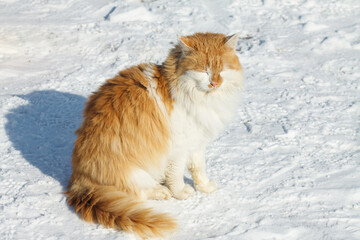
[214, 84]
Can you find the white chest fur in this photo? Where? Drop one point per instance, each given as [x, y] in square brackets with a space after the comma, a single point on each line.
[199, 116]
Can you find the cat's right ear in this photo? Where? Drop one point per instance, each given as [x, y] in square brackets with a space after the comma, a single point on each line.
[185, 44]
[231, 40]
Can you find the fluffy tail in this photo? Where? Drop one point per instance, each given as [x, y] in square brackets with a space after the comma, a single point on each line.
[111, 208]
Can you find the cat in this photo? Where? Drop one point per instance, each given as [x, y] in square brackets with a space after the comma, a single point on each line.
[145, 126]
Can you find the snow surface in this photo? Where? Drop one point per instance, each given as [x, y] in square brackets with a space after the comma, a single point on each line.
[288, 167]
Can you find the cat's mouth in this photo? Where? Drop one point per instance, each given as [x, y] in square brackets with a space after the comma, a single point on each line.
[213, 86]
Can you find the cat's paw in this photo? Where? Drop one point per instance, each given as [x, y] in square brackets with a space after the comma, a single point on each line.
[185, 193]
[208, 187]
[159, 193]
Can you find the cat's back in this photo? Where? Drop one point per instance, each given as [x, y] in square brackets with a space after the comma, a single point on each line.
[129, 112]
[138, 88]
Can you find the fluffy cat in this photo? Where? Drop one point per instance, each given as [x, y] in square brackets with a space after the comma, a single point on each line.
[143, 127]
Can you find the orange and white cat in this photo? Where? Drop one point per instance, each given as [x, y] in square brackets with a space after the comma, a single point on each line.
[145, 126]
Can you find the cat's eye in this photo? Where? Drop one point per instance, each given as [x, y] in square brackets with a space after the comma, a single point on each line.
[208, 71]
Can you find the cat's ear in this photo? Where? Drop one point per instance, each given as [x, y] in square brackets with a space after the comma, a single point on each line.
[231, 40]
[185, 44]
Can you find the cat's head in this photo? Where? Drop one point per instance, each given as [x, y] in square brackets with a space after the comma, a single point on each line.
[208, 61]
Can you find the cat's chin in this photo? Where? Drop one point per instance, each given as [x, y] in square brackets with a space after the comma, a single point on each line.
[212, 90]
[206, 89]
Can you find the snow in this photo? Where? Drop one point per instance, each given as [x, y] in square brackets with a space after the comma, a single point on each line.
[288, 167]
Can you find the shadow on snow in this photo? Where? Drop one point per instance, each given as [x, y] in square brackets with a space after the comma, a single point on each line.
[43, 130]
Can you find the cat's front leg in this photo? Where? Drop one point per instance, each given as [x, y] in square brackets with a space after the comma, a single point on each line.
[175, 180]
[197, 169]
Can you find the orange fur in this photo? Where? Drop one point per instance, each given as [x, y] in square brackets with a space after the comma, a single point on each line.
[122, 130]
[110, 207]
[126, 128]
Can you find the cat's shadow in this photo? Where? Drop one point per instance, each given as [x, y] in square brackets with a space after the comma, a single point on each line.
[42, 129]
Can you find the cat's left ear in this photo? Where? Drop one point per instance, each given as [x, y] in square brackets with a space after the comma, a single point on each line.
[185, 44]
[231, 40]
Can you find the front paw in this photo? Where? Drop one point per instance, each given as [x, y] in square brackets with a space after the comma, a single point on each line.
[208, 187]
[158, 193]
[185, 193]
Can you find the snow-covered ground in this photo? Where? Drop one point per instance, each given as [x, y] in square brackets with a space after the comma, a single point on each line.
[288, 167]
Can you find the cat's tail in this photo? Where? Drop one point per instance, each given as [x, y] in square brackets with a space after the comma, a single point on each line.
[112, 208]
